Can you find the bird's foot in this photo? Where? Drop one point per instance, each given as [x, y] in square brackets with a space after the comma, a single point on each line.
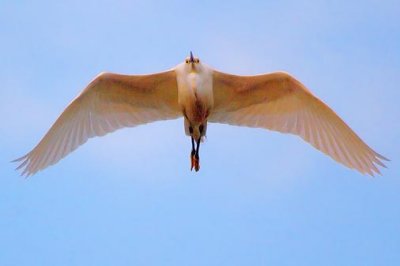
[195, 162]
[192, 160]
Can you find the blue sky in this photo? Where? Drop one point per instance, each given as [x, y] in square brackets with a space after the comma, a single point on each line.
[261, 198]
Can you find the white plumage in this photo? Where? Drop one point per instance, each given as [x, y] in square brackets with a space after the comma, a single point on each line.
[200, 94]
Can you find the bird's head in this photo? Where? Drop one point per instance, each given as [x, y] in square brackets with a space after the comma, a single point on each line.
[192, 61]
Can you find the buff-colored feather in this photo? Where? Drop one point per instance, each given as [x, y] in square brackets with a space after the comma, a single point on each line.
[109, 102]
[279, 102]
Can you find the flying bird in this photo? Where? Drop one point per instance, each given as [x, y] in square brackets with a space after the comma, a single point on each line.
[201, 94]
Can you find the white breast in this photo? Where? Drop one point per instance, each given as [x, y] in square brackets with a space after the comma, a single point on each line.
[195, 91]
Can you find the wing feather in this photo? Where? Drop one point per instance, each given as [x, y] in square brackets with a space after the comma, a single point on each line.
[108, 103]
[279, 102]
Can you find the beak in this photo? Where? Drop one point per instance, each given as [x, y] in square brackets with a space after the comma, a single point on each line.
[191, 57]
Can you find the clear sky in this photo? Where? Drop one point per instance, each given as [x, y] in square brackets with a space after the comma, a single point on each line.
[260, 198]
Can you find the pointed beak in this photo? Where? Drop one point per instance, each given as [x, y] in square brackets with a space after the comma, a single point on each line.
[191, 57]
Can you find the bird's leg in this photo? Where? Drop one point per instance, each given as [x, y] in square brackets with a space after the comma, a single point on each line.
[192, 156]
[196, 156]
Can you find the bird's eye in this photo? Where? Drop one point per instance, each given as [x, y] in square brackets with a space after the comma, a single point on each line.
[197, 61]
[187, 61]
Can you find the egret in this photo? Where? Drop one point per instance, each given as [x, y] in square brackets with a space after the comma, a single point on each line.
[200, 94]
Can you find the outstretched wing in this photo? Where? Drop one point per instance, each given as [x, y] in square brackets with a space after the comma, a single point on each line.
[109, 102]
[279, 102]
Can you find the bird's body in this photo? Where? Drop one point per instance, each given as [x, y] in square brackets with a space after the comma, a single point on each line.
[200, 94]
[195, 95]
